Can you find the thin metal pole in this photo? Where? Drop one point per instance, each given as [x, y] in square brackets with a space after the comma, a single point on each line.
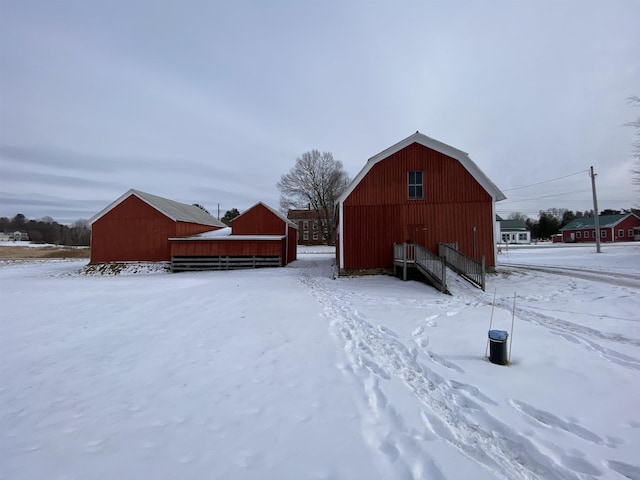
[493, 304]
[595, 209]
[513, 318]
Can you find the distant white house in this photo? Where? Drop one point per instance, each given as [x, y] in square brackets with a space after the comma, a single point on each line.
[513, 231]
[20, 236]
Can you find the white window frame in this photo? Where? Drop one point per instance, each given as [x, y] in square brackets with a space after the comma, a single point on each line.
[305, 235]
[305, 225]
[415, 185]
[578, 234]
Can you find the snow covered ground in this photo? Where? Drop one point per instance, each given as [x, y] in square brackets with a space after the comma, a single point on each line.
[289, 374]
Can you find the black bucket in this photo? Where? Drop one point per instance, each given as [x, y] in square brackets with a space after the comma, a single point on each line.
[498, 346]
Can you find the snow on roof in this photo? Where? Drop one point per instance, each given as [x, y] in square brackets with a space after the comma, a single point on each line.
[604, 221]
[433, 144]
[176, 211]
[228, 237]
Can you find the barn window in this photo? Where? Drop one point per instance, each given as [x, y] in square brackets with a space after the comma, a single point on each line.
[578, 234]
[631, 232]
[621, 233]
[416, 185]
[603, 233]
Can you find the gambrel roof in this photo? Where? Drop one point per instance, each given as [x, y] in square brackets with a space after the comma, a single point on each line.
[433, 144]
[176, 211]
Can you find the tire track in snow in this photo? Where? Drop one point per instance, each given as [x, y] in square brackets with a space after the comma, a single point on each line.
[375, 353]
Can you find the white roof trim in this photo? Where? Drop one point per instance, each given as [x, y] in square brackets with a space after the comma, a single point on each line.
[176, 211]
[273, 210]
[228, 237]
[433, 144]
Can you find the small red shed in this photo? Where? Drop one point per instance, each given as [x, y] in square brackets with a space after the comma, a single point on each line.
[419, 190]
[137, 227]
[260, 236]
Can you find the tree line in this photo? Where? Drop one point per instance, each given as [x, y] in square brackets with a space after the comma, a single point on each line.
[47, 230]
[550, 221]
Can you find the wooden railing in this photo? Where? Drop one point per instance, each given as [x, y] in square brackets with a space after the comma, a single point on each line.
[184, 264]
[411, 255]
[466, 266]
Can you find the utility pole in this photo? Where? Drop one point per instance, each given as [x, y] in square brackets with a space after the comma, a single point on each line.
[595, 209]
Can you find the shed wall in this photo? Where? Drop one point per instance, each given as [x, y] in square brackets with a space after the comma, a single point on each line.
[134, 231]
[379, 213]
[231, 248]
[259, 220]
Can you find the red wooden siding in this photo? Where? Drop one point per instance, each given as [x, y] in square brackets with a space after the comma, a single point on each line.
[292, 244]
[378, 212]
[259, 220]
[231, 248]
[135, 231]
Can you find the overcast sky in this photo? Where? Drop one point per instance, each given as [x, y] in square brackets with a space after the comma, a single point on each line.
[210, 102]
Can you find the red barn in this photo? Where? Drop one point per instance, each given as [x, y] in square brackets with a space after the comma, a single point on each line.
[137, 227]
[260, 236]
[613, 228]
[419, 190]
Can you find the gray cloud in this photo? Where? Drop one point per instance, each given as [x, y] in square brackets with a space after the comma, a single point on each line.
[215, 101]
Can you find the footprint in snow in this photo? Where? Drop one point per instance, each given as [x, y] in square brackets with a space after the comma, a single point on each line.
[431, 321]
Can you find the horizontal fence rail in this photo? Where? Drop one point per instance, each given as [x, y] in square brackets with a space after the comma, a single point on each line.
[416, 256]
[191, 264]
[466, 266]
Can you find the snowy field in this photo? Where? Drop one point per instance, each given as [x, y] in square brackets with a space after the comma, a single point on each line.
[289, 374]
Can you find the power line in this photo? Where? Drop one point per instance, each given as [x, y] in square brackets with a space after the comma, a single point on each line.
[543, 196]
[545, 181]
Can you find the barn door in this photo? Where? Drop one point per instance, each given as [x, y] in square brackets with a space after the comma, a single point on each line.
[417, 233]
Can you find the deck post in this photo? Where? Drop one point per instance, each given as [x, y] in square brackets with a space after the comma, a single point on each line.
[404, 262]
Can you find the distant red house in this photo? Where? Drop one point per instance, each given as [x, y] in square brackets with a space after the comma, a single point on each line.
[137, 227]
[260, 236]
[624, 227]
[419, 190]
[311, 229]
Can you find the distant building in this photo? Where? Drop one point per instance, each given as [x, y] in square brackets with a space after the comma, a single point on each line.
[513, 231]
[19, 236]
[624, 227]
[312, 230]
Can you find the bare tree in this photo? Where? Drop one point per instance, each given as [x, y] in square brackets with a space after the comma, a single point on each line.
[518, 216]
[316, 181]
